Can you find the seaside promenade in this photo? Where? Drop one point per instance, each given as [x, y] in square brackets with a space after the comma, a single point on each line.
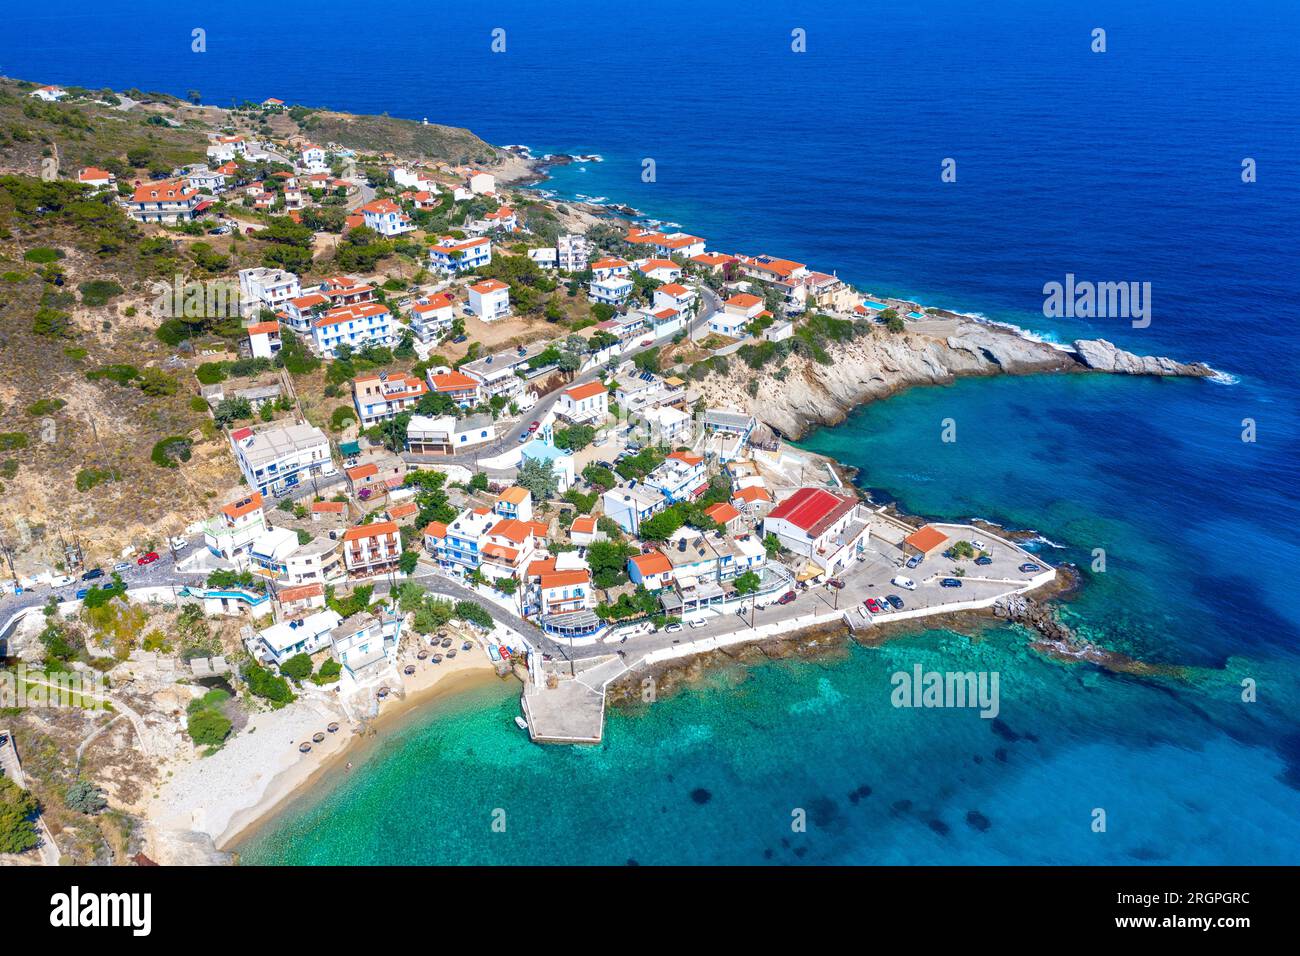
[566, 704]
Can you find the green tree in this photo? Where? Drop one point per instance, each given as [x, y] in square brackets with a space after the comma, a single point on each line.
[539, 477]
[747, 583]
[297, 668]
[17, 807]
[408, 562]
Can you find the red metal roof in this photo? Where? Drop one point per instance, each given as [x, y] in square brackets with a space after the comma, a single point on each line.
[813, 509]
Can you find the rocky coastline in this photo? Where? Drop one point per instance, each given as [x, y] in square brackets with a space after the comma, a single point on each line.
[809, 394]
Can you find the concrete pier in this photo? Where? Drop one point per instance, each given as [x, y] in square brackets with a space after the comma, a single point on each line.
[565, 708]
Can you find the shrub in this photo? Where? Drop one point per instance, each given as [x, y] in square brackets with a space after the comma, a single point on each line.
[53, 324]
[12, 441]
[43, 255]
[88, 478]
[84, 797]
[99, 292]
[297, 667]
[171, 451]
[45, 406]
[262, 683]
[211, 373]
[208, 728]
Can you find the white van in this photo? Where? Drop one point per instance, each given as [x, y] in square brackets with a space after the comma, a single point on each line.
[905, 583]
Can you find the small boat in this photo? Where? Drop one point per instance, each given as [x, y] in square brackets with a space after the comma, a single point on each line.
[437, 658]
[333, 728]
[383, 692]
[409, 670]
[317, 737]
[504, 652]
[446, 642]
[304, 747]
[466, 646]
[520, 722]
[423, 655]
[492, 652]
[452, 652]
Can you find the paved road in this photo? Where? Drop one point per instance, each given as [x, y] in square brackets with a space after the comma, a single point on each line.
[510, 439]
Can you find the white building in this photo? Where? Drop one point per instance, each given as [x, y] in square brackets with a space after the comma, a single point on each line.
[611, 291]
[630, 505]
[481, 183]
[737, 312]
[167, 201]
[279, 556]
[572, 252]
[386, 218]
[681, 477]
[279, 642]
[97, 179]
[451, 255]
[230, 535]
[665, 423]
[312, 159]
[661, 270]
[675, 296]
[490, 299]
[264, 339]
[366, 645]
[448, 435]
[826, 528]
[50, 94]
[381, 396]
[610, 266]
[358, 325]
[433, 316]
[263, 288]
[282, 457]
[581, 404]
[206, 180]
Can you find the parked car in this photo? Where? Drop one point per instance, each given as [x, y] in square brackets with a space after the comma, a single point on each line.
[149, 558]
[674, 627]
[122, 566]
[906, 584]
[895, 601]
[835, 583]
[92, 574]
[534, 426]
[786, 598]
[983, 560]
[950, 583]
[645, 343]
[874, 606]
[179, 543]
[1030, 568]
[63, 580]
[524, 437]
[460, 338]
[978, 545]
[82, 592]
[914, 561]
[698, 622]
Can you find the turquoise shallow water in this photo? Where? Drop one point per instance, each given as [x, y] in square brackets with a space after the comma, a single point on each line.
[714, 775]
[1185, 771]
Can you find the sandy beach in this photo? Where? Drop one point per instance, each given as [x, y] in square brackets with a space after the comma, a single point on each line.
[215, 801]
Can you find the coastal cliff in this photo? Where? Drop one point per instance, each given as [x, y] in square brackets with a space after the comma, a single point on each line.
[803, 393]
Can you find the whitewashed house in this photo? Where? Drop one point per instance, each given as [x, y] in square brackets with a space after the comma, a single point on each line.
[490, 299]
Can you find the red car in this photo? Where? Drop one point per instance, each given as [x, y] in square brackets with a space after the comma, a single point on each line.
[149, 558]
[786, 598]
[873, 605]
[534, 426]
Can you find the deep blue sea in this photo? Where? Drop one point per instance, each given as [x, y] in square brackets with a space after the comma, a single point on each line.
[1116, 166]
